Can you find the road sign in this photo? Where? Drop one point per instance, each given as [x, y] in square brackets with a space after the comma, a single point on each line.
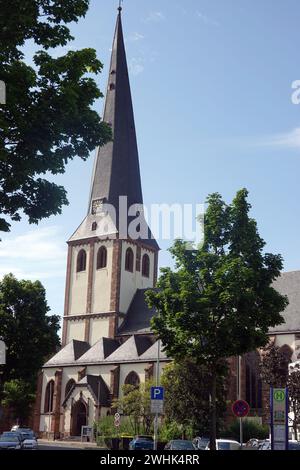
[279, 418]
[2, 353]
[240, 408]
[157, 400]
[117, 420]
[157, 393]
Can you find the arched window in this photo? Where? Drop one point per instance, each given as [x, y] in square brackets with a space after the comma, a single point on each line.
[129, 260]
[48, 406]
[94, 226]
[81, 261]
[69, 385]
[132, 379]
[102, 258]
[146, 266]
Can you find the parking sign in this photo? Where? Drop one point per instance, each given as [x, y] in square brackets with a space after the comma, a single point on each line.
[157, 393]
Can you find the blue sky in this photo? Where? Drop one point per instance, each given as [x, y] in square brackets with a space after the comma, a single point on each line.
[211, 84]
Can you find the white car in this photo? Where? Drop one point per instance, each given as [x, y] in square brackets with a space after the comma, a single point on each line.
[30, 444]
[226, 444]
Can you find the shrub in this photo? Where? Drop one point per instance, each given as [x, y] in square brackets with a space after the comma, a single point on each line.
[251, 429]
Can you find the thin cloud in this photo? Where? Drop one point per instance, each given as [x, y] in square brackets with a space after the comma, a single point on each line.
[134, 37]
[38, 254]
[289, 139]
[155, 17]
[136, 66]
[206, 20]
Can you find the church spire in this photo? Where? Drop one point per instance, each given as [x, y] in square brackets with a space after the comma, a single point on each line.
[116, 171]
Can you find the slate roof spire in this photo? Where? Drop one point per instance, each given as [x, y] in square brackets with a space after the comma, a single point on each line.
[116, 171]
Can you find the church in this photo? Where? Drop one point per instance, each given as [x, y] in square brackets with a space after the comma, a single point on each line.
[107, 340]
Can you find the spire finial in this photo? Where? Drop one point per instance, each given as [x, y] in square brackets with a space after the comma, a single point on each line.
[120, 5]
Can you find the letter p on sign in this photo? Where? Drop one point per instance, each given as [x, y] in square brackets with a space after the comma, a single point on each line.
[157, 393]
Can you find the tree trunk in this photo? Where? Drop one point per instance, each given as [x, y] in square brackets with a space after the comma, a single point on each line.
[213, 412]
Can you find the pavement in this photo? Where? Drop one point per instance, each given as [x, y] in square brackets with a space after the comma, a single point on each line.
[44, 444]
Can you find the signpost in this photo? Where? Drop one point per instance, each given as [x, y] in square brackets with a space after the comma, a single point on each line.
[117, 420]
[157, 407]
[279, 418]
[2, 353]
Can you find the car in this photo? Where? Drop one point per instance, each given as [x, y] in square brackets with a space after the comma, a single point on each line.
[200, 443]
[225, 444]
[10, 442]
[180, 444]
[141, 443]
[12, 434]
[30, 444]
[294, 445]
[252, 444]
[265, 445]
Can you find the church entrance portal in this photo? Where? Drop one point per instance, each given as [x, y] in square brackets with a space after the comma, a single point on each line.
[78, 418]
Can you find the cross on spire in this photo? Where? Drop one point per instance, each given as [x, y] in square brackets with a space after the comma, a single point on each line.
[120, 5]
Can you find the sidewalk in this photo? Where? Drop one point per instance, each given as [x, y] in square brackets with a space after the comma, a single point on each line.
[70, 443]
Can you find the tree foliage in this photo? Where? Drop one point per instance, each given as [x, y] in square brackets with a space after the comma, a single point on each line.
[294, 398]
[48, 117]
[219, 301]
[135, 404]
[29, 332]
[187, 389]
[274, 367]
[18, 396]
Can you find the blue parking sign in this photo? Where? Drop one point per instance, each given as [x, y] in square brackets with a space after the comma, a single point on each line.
[157, 393]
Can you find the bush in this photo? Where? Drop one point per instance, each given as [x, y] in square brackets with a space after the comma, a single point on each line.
[172, 430]
[251, 429]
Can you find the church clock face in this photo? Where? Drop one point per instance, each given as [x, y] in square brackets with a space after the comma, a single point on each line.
[97, 206]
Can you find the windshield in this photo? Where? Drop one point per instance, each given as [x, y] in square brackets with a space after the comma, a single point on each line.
[9, 439]
[224, 445]
[183, 445]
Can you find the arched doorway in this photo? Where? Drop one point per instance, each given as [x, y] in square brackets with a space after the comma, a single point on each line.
[78, 418]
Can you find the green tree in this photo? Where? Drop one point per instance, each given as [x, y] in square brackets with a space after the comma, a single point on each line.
[294, 398]
[29, 332]
[18, 396]
[219, 301]
[187, 396]
[135, 404]
[48, 117]
[274, 367]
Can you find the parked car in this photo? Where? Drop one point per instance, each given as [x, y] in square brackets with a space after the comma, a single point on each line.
[180, 444]
[141, 443]
[201, 443]
[13, 434]
[30, 444]
[265, 445]
[253, 444]
[10, 442]
[225, 444]
[294, 445]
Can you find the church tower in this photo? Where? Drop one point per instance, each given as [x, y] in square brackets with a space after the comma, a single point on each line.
[106, 264]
